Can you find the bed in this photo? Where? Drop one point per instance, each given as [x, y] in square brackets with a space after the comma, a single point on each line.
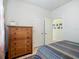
[59, 50]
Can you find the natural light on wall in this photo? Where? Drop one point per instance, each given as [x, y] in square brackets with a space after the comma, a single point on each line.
[57, 29]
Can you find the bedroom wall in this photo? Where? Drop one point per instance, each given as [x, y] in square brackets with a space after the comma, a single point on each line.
[70, 16]
[25, 14]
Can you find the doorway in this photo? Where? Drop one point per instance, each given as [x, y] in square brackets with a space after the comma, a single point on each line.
[57, 29]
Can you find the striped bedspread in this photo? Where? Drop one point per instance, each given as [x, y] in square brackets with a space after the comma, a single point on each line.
[47, 52]
[59, 50]
[67, 47]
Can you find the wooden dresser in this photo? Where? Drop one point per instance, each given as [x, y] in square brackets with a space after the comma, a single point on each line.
[19, 41]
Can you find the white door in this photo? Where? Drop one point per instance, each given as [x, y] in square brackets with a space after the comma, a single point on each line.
[42, 32]
[48, 31]
[39, 32]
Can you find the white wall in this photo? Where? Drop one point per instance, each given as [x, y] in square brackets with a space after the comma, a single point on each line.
[70, 14]
[25, 14]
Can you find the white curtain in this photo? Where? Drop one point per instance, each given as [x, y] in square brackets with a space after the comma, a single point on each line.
[1, 30]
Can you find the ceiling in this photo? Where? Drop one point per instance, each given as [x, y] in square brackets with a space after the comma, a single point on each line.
[48, 4]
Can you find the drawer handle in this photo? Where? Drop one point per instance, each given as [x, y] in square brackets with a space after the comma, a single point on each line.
[16, 29]
[14, 33]
[15, 53]
[27, 41]
[14, 38]
[14, 43]
[28, 37]
[27, 45]
[27, 32]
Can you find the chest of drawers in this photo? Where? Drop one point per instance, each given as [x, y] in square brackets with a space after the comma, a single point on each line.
[19, 41]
